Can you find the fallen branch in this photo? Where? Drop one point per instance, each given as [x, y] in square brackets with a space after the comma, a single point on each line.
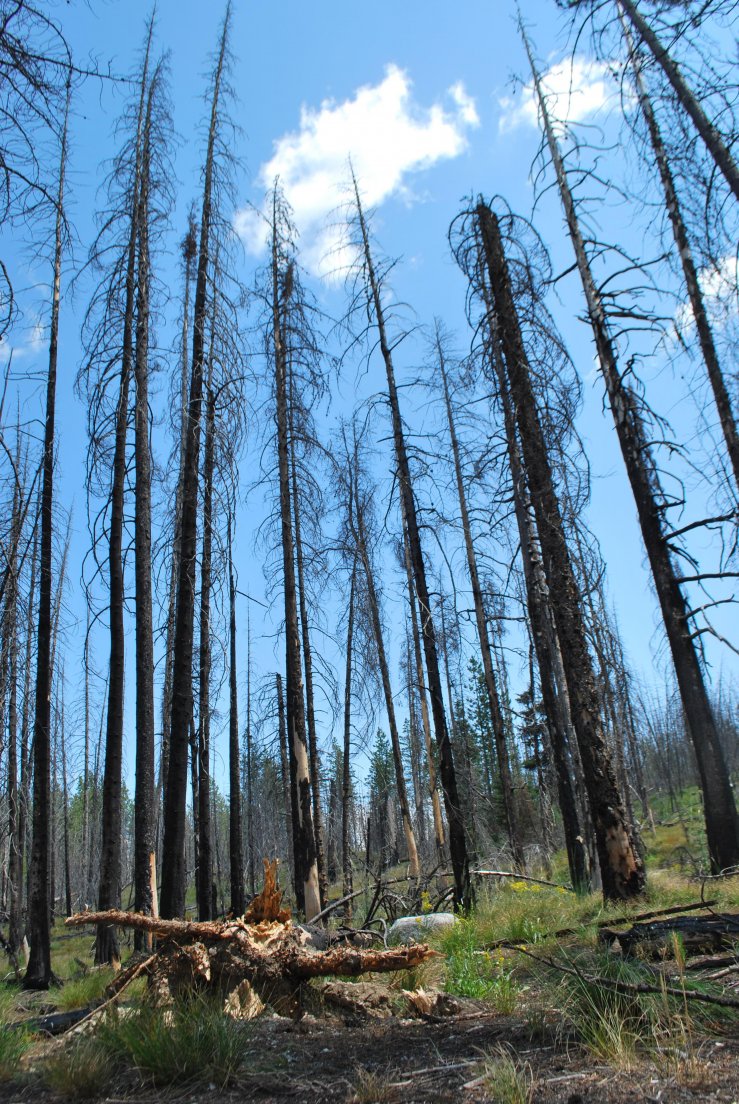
[628, 986]
[561, 932]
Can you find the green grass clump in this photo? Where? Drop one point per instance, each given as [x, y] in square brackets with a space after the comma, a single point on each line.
[80, 1070]
[13, 1045]
[83, 991]
[474, 973]
[505, 1080]
[193, 1041]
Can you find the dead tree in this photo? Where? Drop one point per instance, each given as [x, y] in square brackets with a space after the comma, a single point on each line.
[38, 973]
[370, 283]
[496, 715]
[282, 287]
[174, 873]
[722, 821]
[235, 847]
[621, 867]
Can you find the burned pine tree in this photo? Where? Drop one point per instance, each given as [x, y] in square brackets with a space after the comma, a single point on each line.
[287, 337]
[38, 973]
[361, 538]
[368, 281]
[484, 250]
[496, 713]
[213, 222]
[629, 413]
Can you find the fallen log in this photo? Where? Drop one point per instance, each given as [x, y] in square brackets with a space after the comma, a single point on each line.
[698, 934]
[263, 949]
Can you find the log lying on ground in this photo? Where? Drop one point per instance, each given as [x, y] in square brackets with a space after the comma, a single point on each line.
[269, 954]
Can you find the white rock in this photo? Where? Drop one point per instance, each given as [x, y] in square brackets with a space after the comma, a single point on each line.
[416, 929]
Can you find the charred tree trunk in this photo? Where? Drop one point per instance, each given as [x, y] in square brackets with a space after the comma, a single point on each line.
[238, 903]
[722, 822]
[546, 645]
[314, 757]
[174, 872]
[289, 797]
[189, 253]
[501, 747]
[304, 840]
[621, 866]
[346, 772]
[144, 826]
[38, 974]
[360, 537]
[205, 840]
[425, 721]
[463, 892]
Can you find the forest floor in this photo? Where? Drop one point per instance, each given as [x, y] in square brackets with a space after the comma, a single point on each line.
[526, 1017]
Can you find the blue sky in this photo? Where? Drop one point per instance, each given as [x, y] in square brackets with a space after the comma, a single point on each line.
[419, 96]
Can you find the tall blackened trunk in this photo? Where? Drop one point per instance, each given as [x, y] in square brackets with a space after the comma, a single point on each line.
[621, 866]
[310, 713]
[289, 797]
[304, 841]
[346, 770]
[722, 821]
[496, 715]
[425, 721]
[38, 973]
[360, 537]
[205, 842]
[174, 872]
[236, 860]
[144, 876]
[455, 817]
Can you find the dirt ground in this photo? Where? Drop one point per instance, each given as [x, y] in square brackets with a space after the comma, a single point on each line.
[395, 1060]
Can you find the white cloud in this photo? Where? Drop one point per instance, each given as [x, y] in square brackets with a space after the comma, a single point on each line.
[387, 136]
[33, 344]
[575, 89]
[719, 287]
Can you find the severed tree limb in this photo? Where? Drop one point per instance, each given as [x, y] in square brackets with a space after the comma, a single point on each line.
[519, 878]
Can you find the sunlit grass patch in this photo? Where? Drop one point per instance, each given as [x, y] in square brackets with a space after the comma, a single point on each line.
[84, 990]
[193, 1041]
[505, 1080]
[470, 972]
[13, 1045]
[80, 1070]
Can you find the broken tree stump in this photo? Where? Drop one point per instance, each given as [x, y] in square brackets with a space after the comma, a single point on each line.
[263, 950]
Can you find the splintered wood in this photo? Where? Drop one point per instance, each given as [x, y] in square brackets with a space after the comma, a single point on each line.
[251, 961]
